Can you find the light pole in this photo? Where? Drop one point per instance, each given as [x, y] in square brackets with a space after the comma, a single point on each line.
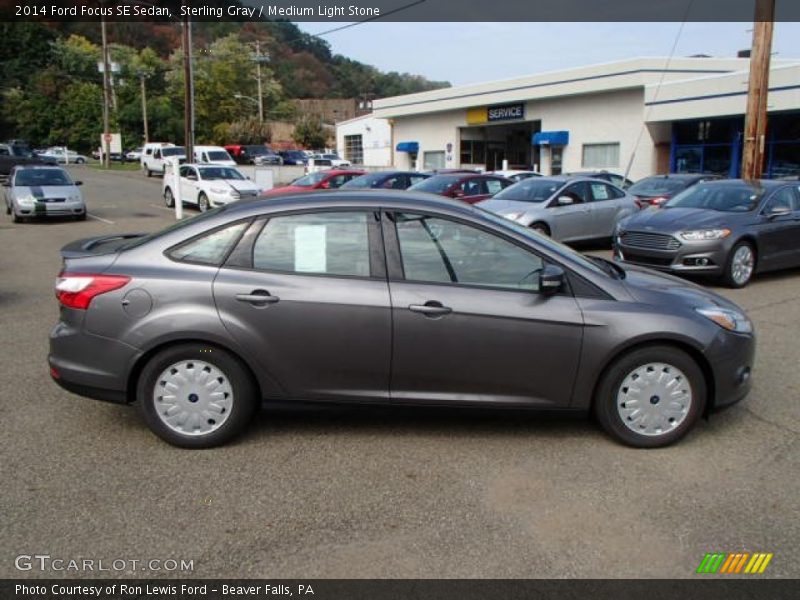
[142, 77]
[259, 58]
[106, 69]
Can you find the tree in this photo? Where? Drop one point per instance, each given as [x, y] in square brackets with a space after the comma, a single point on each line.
[309, 133]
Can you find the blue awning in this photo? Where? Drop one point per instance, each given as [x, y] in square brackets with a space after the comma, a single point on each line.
[550, 138]
[410, 147]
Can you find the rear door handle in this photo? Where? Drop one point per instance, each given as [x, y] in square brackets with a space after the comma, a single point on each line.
[258, 298]
[431, 309]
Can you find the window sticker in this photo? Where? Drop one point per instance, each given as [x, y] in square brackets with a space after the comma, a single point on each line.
[310, 248]
[599, 191]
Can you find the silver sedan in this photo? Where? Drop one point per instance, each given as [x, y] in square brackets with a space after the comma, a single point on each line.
[43, 191]
[565, 208]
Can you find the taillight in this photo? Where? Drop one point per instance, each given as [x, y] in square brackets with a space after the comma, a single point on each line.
[76, 290]
[658, 201]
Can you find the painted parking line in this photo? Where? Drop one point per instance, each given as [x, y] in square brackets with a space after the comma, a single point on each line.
[91, 216]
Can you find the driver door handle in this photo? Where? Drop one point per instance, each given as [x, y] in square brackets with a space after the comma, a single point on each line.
[258, 298]
[431, 308]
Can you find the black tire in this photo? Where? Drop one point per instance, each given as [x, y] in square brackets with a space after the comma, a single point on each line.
[605, 402]
[202, 202]
[540, 227]
[15, 217]
[245, 396]
[728, 278]
[169, 199]
[81, 217]
[148, 172]
[79, 161]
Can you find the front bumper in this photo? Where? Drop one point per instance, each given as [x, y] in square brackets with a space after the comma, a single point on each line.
[731, 357]
[700, 258]
[50, 209]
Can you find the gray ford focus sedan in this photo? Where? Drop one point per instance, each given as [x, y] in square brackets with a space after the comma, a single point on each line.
[398, 298]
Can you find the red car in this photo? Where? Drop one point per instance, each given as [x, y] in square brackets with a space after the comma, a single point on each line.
[329, 179]
[469, 187]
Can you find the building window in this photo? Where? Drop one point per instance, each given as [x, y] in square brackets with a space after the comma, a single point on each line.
[596, 156]
[354, 149]
[473, 152]
[432, 160]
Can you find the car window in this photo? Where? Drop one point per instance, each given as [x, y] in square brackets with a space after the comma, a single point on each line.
[185, 171]
[437, 250]
[394, 183]
[600, 191]
[577, 191]
[784, 199]
[211, 248]
[414, 179]
[473, 187]
[41, 177]
[493, 186]
[329, 243]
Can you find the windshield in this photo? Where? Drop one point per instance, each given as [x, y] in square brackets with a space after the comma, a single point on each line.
[434, 185]
[42, 177]
[722, 198]
[542, 240]
[218, 155]
[657, 186]
[173, 151]
[530, 190]
[220, 173]
[367, 181]
[310, 179]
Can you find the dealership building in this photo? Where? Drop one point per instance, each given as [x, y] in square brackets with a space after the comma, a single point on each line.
[644, 116]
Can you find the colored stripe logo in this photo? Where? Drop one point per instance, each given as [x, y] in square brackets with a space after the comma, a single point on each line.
[732, 563]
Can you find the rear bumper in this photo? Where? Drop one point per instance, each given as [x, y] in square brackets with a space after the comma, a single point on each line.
[90, 365]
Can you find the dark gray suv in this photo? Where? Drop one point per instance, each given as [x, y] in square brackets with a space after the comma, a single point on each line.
[396, 297]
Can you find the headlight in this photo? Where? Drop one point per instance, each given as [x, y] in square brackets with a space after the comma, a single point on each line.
[732, 320]
[514, 215]
[698, 235]
[27, 200]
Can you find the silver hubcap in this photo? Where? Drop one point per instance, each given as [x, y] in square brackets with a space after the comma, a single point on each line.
[654, 399]
[203, 202]
[193, 397]
[168, 197]
[742, 264]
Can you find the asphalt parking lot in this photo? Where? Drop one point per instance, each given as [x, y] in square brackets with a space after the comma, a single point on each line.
[339, 493]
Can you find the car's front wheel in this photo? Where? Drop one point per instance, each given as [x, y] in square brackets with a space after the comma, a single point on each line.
[541, 228]
[740, 266]
[169, 199]
[651, 397]
[202, 202]
[196, 396]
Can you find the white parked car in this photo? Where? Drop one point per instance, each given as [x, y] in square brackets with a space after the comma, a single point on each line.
[213, 155]
[336, 160]
[157, 154]
[64, 156]
[207, 186]
[134, 155]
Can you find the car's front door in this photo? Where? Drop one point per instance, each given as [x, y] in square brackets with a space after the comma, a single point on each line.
[189, 183]
[780, 235]
[569, 222]
[307, 297]
[606, 203]
[469, 324]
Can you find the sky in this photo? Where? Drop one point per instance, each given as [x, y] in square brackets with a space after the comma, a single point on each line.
[463, 53]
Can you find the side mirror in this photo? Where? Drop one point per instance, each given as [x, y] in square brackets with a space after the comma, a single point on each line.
[551, 279]
[564, 201]
[78, 183]
[778, 211]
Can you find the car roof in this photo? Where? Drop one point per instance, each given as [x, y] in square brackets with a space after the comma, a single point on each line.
[753, 183]
[681, 176]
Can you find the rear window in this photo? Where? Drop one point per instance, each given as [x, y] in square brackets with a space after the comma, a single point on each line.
[218, 155]
[210, 248]
[435, 185]
[657, 186]
[173, 151]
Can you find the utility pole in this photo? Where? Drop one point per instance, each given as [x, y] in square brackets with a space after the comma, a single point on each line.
[755, 124]
[106, 109]
[142, 77]
[188, 87]
[260, 58]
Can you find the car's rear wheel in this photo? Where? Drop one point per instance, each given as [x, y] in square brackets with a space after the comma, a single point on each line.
[202, 202]
[651, 397]
[740, 266]
[541, 228]
[169, 199]
[79, 161]
[196, 396]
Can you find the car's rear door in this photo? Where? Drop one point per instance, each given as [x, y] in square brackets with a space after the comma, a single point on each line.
[306, 295]
[571, 222]
[469, 324]
[779, 236]
[607, 202]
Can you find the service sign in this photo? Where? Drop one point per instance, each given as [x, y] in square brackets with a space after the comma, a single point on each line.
[506, 112]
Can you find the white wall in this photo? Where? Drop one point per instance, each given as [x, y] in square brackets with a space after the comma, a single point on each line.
[591, 118]
[376, 138]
